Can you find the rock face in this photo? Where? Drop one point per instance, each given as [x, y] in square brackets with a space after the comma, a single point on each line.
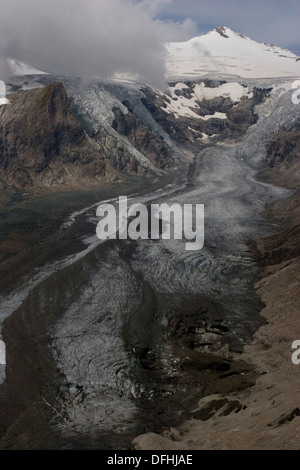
[144, 140]
[283, 168]
[283, 163]
[43, 146]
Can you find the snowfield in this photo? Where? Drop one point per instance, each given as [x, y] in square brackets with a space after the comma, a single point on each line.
[226, 52]
[234, 91]
[182, 106]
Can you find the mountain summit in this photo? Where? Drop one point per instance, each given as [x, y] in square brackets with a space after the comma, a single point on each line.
[223, 51]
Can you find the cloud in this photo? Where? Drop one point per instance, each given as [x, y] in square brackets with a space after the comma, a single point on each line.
[101, 37]
[88, 37]
[271, 21]
[155, 6]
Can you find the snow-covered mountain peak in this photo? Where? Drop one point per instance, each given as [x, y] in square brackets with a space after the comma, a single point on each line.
[224, 51]
[224, 32]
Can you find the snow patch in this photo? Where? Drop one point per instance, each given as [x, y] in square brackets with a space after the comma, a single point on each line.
[232, 90]
[214, 116]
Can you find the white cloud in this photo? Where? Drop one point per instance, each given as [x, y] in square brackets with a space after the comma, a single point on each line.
[155, 6]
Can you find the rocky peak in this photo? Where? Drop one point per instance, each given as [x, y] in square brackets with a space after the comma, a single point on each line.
[222, 30]
[226, 32]
[42, 144]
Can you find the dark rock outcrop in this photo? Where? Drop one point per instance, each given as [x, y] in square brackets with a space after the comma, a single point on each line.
[42, 146]
[283, 162]
[142, 138]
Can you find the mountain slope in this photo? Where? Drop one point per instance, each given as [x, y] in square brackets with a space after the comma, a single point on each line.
[224, 51]
[57, 143]
[44, 146]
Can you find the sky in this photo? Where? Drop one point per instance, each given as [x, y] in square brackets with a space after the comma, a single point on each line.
[272, 21]
[101, 37]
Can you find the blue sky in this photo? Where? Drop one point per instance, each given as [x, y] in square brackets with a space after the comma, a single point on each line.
[272, 21]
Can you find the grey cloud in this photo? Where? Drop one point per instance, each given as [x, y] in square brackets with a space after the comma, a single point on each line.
[88, 37]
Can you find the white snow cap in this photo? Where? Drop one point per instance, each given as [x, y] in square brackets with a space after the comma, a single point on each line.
[226, 52]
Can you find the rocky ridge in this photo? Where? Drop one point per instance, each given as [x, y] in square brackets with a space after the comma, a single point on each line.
[46, 146]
